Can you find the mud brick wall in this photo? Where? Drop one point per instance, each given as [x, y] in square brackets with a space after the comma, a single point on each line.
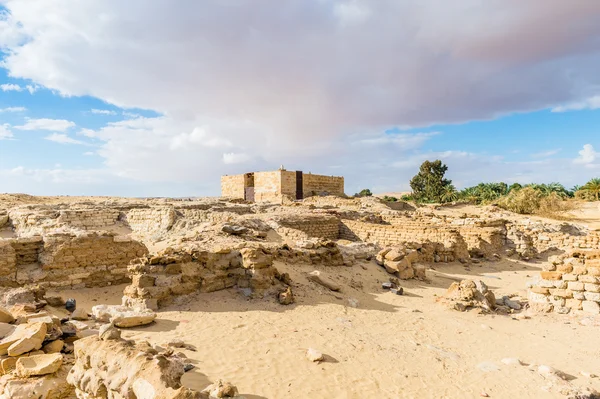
[327, 227]
[569, 282]
[233, 186]
[317, 184]
[390, 235]
[151, 220]
[89, 219]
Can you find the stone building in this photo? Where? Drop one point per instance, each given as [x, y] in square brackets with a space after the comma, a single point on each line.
[275, 185]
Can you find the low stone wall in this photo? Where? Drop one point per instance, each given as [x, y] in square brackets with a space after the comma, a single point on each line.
[65, 260]
[308, 226]
[157, 280]
[569, 282]
[392, 235]
[152, 220]
[89, 219]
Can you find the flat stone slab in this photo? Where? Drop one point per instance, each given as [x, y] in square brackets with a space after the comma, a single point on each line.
[39, 365]
[122, 316]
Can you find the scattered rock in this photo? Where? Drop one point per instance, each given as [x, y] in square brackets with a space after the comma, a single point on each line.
[176, 343]
[510, 303]
[38, 365]
[188, 366]
[588, 375]
[511, 361]
[353, 303]
[122, 316]
[54, 346]
[234, 230]
[469, 294]
[221, 389]
[316, 277]
[25, 338]
[398, 291]
[387, 286]
[55, 301]
[108, 332]
[286, 297]
[80, 314]
[314, 355]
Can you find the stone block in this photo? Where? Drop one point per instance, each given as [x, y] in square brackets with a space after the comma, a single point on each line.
[576, 286]
[592, 296]
[592, 287]
[551, 275]
[591, 307]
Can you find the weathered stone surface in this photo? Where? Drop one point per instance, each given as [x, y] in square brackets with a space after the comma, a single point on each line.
[25, 338]
[316, 277]
[314, 355]
[80, 314]
[122, 316]
[6, 316]
[38, 365]
[54, 346]
[286, 297]
[591, 307]
[221, 389]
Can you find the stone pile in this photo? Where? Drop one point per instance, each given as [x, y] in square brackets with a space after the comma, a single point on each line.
[469, 294]
[569, 282]
[402, 262]
[312, 251]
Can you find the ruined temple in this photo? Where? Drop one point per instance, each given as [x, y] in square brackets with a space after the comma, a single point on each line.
[273, 186]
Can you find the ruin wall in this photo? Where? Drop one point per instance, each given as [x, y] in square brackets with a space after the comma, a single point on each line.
[267, 186]
[317, 184]
[301, 228]
[151, 220]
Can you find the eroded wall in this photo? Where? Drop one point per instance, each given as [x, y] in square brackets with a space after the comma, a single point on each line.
[317, 184]
[232, 186]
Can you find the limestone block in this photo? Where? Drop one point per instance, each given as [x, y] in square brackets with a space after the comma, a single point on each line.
[38, 365]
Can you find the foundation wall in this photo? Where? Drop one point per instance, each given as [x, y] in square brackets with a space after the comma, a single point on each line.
[151, 220]
[327, 227]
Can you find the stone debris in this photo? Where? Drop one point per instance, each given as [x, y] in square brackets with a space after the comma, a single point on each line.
[6, 316]
[286, 297]
[39, 365]
[316, 277]
[123, 316]
[402, 262]
[25, 338]
[80, 314]
[221, 389]
[469, 294]
[234, 230]
[314, 355]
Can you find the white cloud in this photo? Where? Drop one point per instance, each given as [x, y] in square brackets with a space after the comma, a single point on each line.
[10, 87]
[230, 85]
[58, 125]
[587, 156]
[62, 138]
[233, 158]
[545, 154]
[5, 132]
[89, 153]
[103, 112]
[13, 109]
[32, 88]
[588, 103]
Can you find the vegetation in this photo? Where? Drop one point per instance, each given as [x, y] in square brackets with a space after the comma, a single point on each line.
[430, 184]
[364, 193]
[390, 199]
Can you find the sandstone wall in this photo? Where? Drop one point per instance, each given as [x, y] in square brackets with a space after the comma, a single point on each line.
[570, 282]
[151, 220]
[233, 186]
[288, 183]
[392, 235]
[157, 280]
[64, 260]
[316, 184]
[267, 186]
[309, 226]
[89, 219]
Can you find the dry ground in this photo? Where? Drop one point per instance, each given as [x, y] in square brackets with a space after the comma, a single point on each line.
[388, 347]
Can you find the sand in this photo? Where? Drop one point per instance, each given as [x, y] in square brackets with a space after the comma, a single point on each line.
[390, 346]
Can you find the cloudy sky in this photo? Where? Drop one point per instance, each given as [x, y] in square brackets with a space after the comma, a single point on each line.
[159, 98]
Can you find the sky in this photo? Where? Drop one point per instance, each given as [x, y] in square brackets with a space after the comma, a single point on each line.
[161, 98]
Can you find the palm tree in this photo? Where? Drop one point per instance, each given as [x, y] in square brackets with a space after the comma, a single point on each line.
[450, 194]
[593, 187]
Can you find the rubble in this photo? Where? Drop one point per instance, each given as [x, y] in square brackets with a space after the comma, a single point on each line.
[470, 294]
[123, 316]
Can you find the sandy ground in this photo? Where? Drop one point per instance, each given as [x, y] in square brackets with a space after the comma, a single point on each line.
[390, 346]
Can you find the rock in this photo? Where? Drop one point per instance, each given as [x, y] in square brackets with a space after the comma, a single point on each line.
[80, 314]
[25, 338]
[19, 295]
[591, 307]
[353, 302]
[387, 286]
[87, 333]
[588, 375]
[108, 332]
[221, 389]
[122, 316]
[511, 304]
[6, 329]
[176, 343]
[548, 371]
[286, 297]
[470, 294]
[71, 304]
[38, 365]
[234, 230]
[54, 346]
[188, 366]
[6, 316]
[78, 325]
[316, 277]
[314, 355]
[398, 291]
[55, 301]
[8, 364]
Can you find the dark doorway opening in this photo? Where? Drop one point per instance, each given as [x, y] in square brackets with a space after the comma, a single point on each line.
[299, 186]
[249, 187]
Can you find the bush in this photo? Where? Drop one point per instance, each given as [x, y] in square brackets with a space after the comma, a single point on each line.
[530, 201]
[364, 193]
[408, 197]
[390, 199]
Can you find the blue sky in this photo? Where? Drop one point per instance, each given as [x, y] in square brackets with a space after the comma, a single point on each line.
[103, 106]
